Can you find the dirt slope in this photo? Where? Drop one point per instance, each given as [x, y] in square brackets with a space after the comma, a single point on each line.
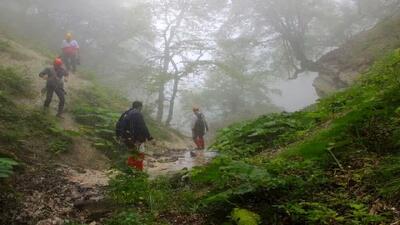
[51, 185]
[70, 185]
[355, 56]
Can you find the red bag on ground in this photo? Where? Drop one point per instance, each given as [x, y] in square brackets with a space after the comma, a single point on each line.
[136, 162]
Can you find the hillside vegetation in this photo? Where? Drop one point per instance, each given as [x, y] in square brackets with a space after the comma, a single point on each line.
[37, 149]
[335, 163]
[346, 63]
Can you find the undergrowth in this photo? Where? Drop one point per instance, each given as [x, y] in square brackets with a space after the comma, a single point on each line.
[22, 126]
[336, 163]
[98, 109]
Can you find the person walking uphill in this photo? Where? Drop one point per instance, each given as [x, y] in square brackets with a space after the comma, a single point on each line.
[199, 128]
[70, 52]
[55, 76]
[131, 129]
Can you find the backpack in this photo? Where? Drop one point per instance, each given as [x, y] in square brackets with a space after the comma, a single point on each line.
[200, 124]
[122, 126]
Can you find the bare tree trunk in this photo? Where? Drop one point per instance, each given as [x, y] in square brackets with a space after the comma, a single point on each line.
[160, 102]
[168, 36]
[161, 88]
[172, 101]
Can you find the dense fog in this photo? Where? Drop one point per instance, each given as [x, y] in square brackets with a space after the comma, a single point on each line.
[233, 59]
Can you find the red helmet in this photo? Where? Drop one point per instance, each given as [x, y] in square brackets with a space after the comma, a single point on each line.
[58, 62]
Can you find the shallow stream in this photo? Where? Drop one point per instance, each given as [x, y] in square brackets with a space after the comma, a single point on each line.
[175, 160]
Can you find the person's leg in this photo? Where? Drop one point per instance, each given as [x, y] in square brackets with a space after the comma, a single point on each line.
[49, 96]
[73, 63]
[135, 160]
[65, 59]
[60, 94]
[201, 142]
[196, 139]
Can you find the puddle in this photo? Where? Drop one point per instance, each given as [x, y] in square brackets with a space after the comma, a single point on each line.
[174, 161]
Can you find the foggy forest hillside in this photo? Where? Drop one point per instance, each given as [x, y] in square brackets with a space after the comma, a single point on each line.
[192, 112]
[247, 46]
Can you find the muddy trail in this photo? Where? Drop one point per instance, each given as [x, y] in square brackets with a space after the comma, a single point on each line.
[71, 185]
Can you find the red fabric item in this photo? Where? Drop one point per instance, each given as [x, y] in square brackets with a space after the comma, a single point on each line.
[70, 51]
[136, 162]
[199, 142]
[58, 62]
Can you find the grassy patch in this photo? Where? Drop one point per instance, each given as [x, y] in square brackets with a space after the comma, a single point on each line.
[6, 46]
[98, 109]
[21, 124]
[14, 82]
[336, 163]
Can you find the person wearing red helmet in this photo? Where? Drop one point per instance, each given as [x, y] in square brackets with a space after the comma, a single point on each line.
[55, 77]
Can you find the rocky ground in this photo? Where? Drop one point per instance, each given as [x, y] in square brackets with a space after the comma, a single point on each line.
[53, 194]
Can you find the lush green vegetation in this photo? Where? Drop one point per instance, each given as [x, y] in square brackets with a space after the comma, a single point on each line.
[97, 109]
[23, 126]
[332, 164]
[6, 166]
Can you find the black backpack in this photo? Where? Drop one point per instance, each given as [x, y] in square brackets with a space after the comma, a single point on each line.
[122, 126]
[200, 124]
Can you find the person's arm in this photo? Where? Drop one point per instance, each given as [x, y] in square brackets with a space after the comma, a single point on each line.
[205, 123]
[193, 122]
[44, 73]
[76, 45]
[143, 128]
[66, 75]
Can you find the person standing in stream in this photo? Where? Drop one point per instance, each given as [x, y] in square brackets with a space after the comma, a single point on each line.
[55, 77]
[199, 128]
[70, 52]
[131, 129]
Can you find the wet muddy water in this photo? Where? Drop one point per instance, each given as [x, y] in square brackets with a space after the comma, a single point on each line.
[176, 160]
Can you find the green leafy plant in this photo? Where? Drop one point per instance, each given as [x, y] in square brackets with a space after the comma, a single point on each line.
[6, 166]
[245, 217]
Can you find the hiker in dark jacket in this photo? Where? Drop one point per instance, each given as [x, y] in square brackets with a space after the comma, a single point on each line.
[55, 77]
[131, 127]
[132, 130]
[199, 128]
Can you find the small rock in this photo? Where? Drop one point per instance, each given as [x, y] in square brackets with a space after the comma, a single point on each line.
[53, 221]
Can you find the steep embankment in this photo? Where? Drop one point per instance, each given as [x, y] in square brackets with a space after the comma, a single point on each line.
[57, 165]
[336, 163]
[345, 64]
[63, 163]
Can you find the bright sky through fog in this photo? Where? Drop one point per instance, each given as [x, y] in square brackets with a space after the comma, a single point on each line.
[296, 94]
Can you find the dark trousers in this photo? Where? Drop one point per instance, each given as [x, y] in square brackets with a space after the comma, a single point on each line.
[70, 62]
[59, 90]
